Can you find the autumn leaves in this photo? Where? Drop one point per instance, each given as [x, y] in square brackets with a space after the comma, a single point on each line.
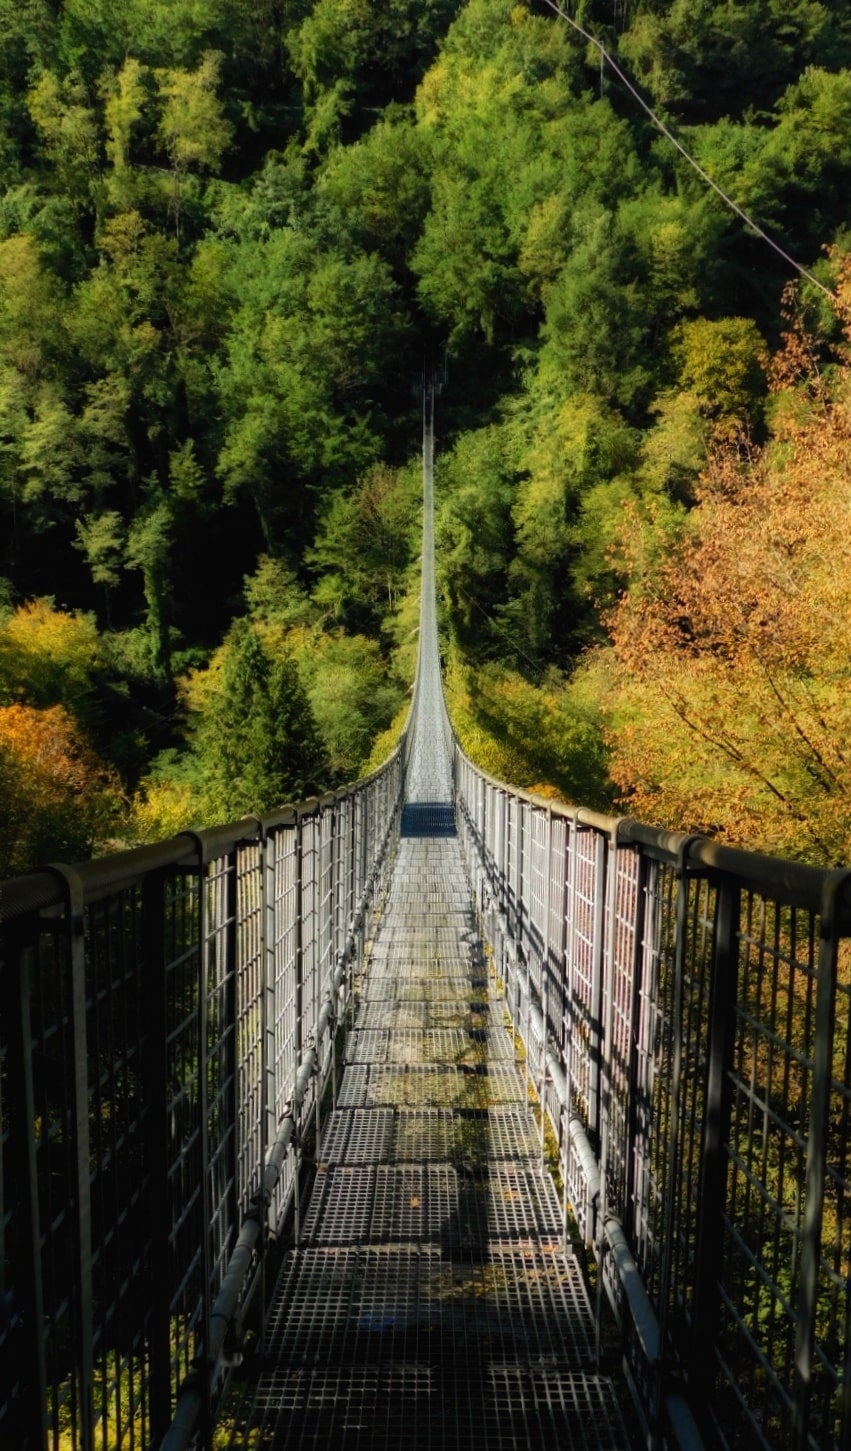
[731, 708]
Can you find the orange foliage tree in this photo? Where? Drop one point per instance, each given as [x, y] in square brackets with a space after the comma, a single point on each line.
[730, 709]
[57, 799]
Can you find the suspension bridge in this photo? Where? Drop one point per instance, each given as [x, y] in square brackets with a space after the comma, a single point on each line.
[428, 1113]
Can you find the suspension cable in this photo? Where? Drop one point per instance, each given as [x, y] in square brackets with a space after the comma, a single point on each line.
[607, 59]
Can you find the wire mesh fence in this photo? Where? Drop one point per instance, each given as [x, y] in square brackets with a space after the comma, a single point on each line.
[166, 1019]
[694, 1054]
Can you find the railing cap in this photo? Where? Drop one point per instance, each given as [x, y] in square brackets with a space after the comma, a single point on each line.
[790, 883]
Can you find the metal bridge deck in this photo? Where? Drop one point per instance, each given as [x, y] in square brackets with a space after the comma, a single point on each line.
[431, 1300]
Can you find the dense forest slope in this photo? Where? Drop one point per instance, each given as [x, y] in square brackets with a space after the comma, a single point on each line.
[230, 234]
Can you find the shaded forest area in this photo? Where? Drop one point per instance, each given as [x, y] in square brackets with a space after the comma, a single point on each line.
[229, 235]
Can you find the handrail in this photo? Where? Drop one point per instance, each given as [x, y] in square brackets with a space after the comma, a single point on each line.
[167, 1019]
[693, 1061]
[794, 882]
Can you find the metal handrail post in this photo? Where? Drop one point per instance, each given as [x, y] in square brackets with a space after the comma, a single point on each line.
[19, 1090]
[156, 1010]
[268, 841]
[203, 1362]
[716, 1128]
[608, 997]
[74, 923]
[300, 1042]
[636, 990]
[835, 898]
[595, 1044]
[231, 968]
[684, 878]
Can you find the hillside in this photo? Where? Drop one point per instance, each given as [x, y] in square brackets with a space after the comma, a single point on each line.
[230, 235]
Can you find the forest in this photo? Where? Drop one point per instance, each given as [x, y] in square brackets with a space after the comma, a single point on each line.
[234, 235]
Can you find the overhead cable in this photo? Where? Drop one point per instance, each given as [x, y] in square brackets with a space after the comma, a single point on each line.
[607, 58]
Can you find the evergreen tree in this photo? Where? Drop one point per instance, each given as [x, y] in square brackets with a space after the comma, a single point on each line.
[257, 743]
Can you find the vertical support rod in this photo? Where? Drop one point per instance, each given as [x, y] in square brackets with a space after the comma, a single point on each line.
[562, 1037]
[155, 999]
[502, 874]
[595, 1044]
[363, 800]
[674, 1145]
[204, 1136]
[610, 967]
[543, 1067]
[636, 990]
[833, 901]
[75, 926]
[299, 1003]
[233, 968]
[716, 1131]
[267, 1043]
[29, 1424]
[354, 901]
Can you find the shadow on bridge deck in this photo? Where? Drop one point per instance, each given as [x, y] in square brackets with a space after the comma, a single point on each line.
[427, 818]
[430, 1300]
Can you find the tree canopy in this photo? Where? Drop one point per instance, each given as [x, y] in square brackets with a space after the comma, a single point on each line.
[231, 237]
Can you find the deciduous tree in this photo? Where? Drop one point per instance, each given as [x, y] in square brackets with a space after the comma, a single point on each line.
[57, 800]
[733, 708]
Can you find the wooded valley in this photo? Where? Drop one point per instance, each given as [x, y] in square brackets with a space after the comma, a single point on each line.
[233, 235]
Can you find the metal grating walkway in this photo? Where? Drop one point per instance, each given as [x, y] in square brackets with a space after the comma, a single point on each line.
[430, 1301]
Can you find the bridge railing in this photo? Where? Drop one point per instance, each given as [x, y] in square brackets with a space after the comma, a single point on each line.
[166, 1031]
[687, 1015]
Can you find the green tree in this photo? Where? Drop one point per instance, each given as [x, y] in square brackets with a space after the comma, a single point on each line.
[380, 184]
[475, 491]
[149, 544]
[316, 332]
[705, 59]
[353, 54]
[350, 696]
[257, 743]
[31, 319]
[61, 110]
[364, 545]
[577, 466]
[275, 596]
[28, 31]
[193, 128]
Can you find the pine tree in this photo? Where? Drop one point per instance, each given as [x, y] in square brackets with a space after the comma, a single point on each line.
[257, 742]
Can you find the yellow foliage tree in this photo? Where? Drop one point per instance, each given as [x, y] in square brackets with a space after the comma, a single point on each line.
[57, 799]
[730, 703]
[47, 656]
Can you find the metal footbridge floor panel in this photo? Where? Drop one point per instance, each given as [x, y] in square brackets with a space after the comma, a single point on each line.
[429, 1297]
[430, 1300]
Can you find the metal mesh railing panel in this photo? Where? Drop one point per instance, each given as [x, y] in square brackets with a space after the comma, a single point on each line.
[772, 1076]
[690, 1014]
[251, 1084]
[619, 1016]
[285, 932]
[150, 1038]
